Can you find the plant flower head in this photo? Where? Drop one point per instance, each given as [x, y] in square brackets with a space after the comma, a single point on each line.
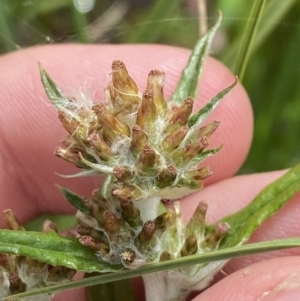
[149, 149]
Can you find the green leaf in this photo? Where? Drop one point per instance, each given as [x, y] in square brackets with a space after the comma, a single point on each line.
[74, 199]
[181, 262]
[189, 81]
[97, 167]
[53, 249]
[204, 155]
[58, 99]
[248, 37]
[82, 173]
[267, 202]
[106, 186]
[204, 112]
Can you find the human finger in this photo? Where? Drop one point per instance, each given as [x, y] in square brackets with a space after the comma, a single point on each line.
[272, 280]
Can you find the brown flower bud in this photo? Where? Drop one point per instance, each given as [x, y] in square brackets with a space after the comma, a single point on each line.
[130, 214]
[96, 207]
[192, 150]
[49, 226]
[16, 284]
[179, 117]
[155, 83]
[207, 130]
[128, 193]
[112, 223]
[190, 183]
[164, 256]
[200, 211]
[147, 113]
[173, 140]
[103, 150]
[112, 127]
[198, 174]
[161, 222]
[123, 173]
[70, 123]
[69, 155]
[88, 231]
[139, 139]
[197, 222]
[124, 92]
[95, 245]
[213, 239]
[75, 126]
[167, 176]
[60, 273]
[147, 233]
[146, 161]
[190, 246]
[184, 155]
[11, 221]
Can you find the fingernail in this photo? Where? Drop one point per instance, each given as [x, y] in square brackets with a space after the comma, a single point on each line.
[287, 290]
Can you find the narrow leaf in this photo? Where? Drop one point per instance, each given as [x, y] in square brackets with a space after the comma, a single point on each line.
[106, 186]
[82, 173]
[248, 37]
[188, 83]
[267, 202]
[98, 167]
[74, 199]
[53, 249]
[56, 96]
[205, 154]
[181, 262]
[204, 112]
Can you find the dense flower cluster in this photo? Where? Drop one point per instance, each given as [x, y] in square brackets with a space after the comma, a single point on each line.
[150, 150]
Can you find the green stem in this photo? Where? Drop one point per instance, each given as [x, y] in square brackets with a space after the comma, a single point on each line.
[167, 265]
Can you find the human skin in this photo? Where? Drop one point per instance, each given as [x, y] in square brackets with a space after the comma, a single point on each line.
[30, 131]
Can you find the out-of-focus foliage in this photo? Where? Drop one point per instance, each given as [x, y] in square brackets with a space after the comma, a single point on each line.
[271, 78]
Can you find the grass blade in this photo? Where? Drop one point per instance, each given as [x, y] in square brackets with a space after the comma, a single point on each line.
[204, 112]
[217, 255]
[248, 37]
[274, 12]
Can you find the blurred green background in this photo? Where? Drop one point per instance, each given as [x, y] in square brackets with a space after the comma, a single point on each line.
[271, 78]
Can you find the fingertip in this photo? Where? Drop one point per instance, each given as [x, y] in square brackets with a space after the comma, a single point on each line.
[258, 281]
